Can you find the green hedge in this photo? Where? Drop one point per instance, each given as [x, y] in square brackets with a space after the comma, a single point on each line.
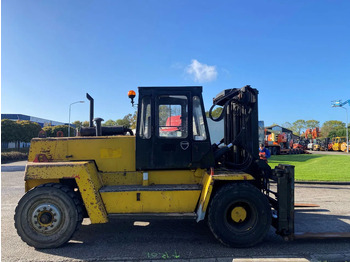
[7, 157]
[22, 150]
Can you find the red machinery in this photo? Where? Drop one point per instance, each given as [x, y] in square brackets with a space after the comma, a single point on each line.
[315, 133]
[281, 142]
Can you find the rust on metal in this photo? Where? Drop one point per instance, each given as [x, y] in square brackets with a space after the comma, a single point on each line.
[85, 175]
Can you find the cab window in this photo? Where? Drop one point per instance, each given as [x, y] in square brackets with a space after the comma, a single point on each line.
[199, 133]
[145, 121]
[172, 116]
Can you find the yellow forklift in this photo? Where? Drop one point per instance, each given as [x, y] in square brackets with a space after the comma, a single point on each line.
[168, 168]
[337, 143]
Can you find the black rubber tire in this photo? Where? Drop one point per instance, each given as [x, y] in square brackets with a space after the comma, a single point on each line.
[243, 234]
[62, 199]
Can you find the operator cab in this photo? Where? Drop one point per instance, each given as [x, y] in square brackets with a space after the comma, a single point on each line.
[172, 130]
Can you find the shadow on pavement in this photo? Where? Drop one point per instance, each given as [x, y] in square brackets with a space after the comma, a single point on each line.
[12, 168]
[173, 239]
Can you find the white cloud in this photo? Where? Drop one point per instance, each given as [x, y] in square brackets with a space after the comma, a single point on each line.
[201, 72]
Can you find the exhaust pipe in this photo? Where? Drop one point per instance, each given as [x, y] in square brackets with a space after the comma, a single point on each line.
[98, 126]
[91, 109]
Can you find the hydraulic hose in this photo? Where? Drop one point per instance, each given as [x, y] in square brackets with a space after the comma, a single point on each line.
[233, 94]
[248, 160]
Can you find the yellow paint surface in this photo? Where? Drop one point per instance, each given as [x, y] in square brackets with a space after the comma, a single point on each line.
[72, 158]
[235, 176]
[86, 177]
[169, 177]
[207, 183]
[151, 201]
[111, 153]
[159, 177]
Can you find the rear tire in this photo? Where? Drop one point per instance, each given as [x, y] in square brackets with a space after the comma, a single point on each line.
[239, 215]
[48, 215]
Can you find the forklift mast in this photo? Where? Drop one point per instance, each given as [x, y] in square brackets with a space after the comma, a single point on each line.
[241, 130]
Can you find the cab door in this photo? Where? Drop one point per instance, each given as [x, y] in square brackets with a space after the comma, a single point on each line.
[172, 132]
[172, 148]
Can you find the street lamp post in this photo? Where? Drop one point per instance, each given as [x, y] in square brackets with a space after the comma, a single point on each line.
[69, 115]
[347, 133]
[340, 104]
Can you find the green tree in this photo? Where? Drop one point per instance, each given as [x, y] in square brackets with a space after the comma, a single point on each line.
[133, 120]
[28, 130]
[18, 131]
[109, 122]
[125, 121]
[332, 125]
[78, 124]
[312, 124]
[298, 126]
[86, 124]
[9, 131]
[51, 131]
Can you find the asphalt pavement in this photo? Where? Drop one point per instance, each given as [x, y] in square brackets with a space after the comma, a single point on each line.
[182, 240]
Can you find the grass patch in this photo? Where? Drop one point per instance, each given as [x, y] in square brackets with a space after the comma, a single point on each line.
[316, 167]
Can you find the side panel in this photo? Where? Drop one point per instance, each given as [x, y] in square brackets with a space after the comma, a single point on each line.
[163, 191]
[151, 201]
[168, 177]
[158, 177]
[86, 177]
[111, 154]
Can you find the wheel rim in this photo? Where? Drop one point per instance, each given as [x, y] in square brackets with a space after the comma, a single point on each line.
[46, 218]
[241, 217]
[238, 214]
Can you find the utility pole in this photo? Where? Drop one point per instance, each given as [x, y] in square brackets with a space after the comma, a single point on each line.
[339, 103]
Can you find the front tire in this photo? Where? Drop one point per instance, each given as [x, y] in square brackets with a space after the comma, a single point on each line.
[48, 215]
[239, 215]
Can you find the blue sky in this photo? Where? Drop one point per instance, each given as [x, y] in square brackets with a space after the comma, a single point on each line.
[296, 53]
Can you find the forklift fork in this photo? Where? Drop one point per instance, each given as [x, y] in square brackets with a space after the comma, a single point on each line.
[282, 202]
